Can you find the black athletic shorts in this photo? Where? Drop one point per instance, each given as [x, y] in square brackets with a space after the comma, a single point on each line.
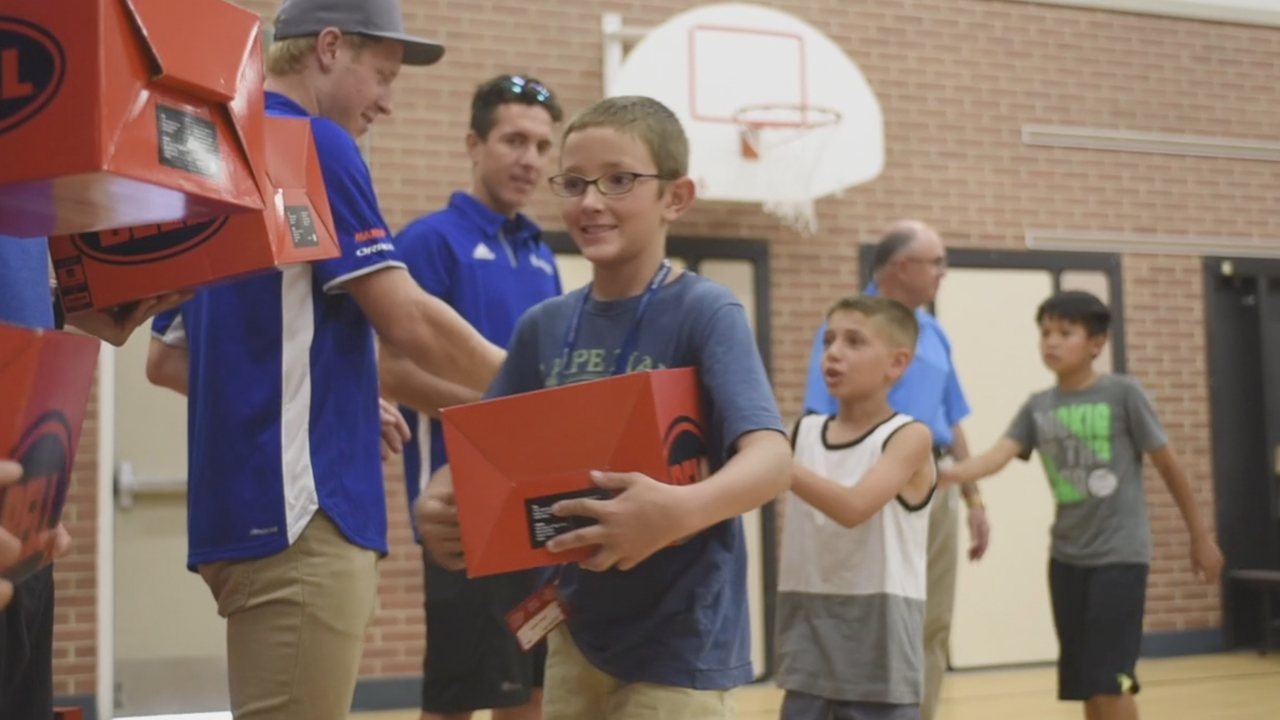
[1098, 614]
[473, 661]
[26, 650]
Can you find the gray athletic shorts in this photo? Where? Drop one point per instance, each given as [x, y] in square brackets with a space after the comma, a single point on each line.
[798, 706]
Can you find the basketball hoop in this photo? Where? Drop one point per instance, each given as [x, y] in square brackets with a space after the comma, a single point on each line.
[788, 142]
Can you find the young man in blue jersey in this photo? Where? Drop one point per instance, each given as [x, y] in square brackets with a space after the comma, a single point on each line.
[287, 507]
[657, 616]
[26, 611]
[486, 259]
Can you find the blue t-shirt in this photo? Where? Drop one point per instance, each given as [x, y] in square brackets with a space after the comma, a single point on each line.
[929, 390]
[489, 268]
[283, 399]
[679, 618]
[25, 295]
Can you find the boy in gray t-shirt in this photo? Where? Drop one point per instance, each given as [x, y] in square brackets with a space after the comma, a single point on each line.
[1091, 431]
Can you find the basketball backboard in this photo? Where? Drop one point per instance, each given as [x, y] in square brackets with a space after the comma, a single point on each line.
[776, 112]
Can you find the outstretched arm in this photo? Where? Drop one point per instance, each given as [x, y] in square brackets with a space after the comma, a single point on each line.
[910, 450]
[405, 382]
[981, 466]
[426, 329]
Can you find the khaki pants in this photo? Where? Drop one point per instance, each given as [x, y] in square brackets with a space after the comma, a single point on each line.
[576, 690]
[940, 595]
[296, 623]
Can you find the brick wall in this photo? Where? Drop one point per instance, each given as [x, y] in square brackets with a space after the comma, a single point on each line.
[76, 576]
[956, 80]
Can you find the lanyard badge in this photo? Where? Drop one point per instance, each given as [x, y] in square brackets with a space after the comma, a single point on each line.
[628, 345]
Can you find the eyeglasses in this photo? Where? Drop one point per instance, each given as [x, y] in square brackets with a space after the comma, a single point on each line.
[938, 263]
[618, 183]
[524, 87]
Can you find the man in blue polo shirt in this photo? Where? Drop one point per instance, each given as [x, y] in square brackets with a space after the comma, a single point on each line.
[27, 610]
[287, 507]
[910, 262]
[486, 259]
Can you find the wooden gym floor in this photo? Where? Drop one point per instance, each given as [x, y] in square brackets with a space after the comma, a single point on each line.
[1237, 686]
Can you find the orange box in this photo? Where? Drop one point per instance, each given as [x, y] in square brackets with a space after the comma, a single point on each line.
[45, 380]
[105, 269]
[512, 458]
[116, 113]
[68, 714]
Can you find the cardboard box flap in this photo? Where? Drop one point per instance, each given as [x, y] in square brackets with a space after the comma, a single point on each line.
[44, 394]
[185, 60]
[523, 449]
[11, 350]
[289, 141]
[482, 479]
[293, 165]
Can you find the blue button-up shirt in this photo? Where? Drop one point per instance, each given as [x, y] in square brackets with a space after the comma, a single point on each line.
[929, 391]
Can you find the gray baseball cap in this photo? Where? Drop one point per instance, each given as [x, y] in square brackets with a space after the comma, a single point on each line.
[376, 18]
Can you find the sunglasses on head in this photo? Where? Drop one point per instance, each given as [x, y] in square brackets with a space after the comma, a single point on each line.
[524, 87]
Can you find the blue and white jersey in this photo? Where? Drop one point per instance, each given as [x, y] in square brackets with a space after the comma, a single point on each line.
[283, 403]
[25, 295]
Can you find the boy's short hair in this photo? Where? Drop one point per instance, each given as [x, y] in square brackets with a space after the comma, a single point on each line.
[901, 329]
[646, 119]
[504, 89]
[1077, 306]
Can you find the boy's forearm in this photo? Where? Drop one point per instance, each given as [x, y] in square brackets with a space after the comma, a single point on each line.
[1180, 488]
[759, 472]
[969, 472]
[985, 465]
[960, 452]
[827, 497]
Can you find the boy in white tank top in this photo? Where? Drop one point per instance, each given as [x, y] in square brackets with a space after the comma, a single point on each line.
[851, 591]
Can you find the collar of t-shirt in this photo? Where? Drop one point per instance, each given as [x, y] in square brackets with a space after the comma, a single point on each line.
[284, 105]
[518, 229]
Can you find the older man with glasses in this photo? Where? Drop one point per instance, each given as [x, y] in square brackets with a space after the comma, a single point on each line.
[484, 257]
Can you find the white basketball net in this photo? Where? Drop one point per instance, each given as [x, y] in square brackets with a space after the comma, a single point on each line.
[788, 142]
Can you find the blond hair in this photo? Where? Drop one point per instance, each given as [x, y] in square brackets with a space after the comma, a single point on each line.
[645, 119]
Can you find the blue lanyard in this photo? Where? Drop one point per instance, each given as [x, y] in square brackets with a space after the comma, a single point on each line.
[628, 346]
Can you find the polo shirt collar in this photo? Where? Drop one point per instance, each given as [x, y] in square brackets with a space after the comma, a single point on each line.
[517, 229]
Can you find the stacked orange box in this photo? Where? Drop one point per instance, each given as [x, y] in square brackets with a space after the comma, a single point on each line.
[46, 377]
[105, 269]
[134, 135]
[512, 458]
[116, 113]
